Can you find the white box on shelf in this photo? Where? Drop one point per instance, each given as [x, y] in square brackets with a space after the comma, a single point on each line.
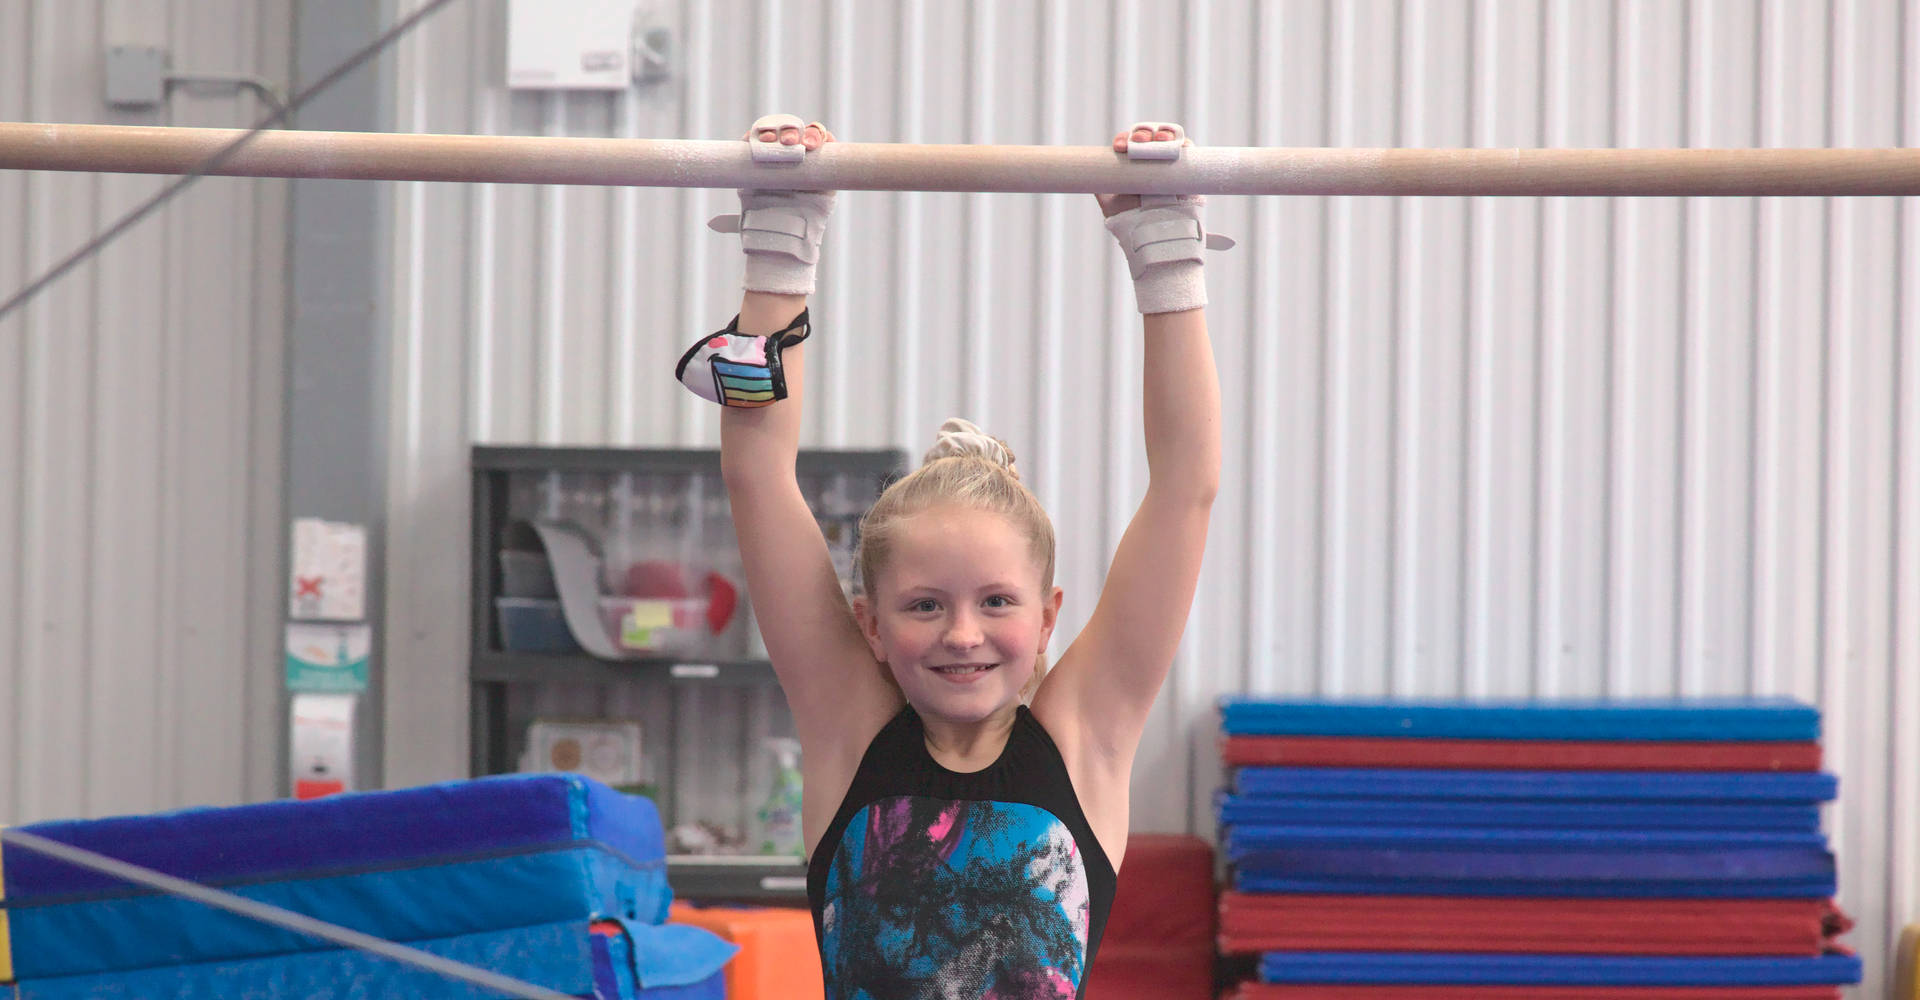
[608, 752]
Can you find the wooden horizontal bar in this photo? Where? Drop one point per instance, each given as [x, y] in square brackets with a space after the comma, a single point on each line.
[877, 166]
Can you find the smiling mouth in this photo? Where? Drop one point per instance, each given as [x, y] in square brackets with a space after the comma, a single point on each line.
[963, 669]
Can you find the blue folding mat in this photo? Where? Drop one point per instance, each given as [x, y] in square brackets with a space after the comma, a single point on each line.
[423, 864]
[606, 961]
[1537, 887]
[1243, 842]
[1745, 720]
[1252, 811]
[1749, 866]
[1442, 969]
[1411, 786]
[1427, 849]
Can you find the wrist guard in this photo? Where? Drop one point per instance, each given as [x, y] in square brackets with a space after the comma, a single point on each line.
[735, 369]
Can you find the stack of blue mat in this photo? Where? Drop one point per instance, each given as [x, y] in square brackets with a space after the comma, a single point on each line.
[551, 879]
[1381, 881]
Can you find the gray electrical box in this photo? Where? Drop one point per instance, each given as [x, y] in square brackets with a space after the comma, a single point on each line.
[570, 44]
[136, 75]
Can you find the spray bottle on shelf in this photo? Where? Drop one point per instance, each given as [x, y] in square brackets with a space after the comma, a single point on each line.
[780, 815]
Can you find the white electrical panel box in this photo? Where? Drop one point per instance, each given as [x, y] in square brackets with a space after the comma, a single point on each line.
[570, 44]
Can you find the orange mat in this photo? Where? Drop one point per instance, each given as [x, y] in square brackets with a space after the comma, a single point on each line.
[778, 959]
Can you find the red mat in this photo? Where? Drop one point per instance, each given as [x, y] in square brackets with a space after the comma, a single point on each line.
[1252, 922]
[1158, 943]
[1516, 755]
[1276, 991]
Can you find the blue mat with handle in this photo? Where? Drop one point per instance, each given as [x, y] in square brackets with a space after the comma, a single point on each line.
[1744, 720]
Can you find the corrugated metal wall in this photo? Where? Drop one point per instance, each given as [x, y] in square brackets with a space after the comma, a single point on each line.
[139, 437]
[1499, 447]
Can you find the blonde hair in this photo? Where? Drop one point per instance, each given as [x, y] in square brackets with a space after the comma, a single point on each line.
[970, 469]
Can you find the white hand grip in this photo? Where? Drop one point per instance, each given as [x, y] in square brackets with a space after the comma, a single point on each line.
[776, 151]
[1163, 149]
[1167, 150]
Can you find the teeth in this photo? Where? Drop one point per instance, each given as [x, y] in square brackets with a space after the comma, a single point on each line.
[961, 670]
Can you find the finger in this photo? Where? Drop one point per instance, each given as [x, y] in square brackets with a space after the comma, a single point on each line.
[1163, 135]
[789, 135]
[1142, 135]
[1120, 143]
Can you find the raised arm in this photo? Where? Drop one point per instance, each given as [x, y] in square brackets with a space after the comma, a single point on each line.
[815, 646]
[756, 368]
[1110, 676]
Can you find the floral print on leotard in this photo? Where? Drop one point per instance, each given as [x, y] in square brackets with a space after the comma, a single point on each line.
[955, 900]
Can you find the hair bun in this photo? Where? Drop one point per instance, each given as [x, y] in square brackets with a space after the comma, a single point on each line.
[961, 438]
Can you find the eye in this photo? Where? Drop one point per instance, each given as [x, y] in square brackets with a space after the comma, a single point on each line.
[924, 605]
[1005, 601]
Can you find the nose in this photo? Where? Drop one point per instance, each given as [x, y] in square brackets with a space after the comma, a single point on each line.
[963, 632]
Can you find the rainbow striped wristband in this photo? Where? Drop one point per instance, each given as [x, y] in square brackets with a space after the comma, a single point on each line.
[734, 369]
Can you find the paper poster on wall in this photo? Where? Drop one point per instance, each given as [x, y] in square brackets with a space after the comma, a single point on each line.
[328, 658]
[329, 569]
[322, 744]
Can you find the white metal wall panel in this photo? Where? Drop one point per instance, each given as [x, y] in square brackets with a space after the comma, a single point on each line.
[140, 444]
[1477, 447]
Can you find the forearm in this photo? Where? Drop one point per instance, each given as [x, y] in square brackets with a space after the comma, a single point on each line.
[760, 444]
[1181, 405]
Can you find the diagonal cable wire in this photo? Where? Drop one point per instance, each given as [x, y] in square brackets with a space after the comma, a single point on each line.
[213, 162]
[278, 917]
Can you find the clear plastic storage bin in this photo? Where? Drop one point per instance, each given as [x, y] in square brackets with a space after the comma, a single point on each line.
[658, 626]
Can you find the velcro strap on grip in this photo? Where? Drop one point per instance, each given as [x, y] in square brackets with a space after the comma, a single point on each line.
[1160, 234]
[778, 230]
[1161, 229]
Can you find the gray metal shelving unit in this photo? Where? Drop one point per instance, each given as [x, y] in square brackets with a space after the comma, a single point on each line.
[493, 670]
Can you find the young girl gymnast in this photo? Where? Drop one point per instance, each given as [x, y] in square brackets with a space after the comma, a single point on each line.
[962, 844]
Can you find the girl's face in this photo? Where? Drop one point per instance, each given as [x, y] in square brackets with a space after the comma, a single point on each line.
[958, 615]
